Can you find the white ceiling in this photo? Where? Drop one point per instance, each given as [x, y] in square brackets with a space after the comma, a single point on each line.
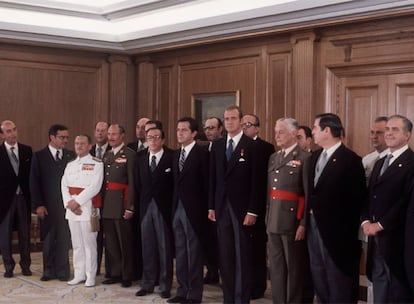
[138, 25]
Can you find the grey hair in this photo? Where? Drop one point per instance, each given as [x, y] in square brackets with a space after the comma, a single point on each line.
[291, 123]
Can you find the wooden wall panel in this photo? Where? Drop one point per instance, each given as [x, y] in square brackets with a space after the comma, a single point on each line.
[164, 107]
[38, 95]
[278, 87]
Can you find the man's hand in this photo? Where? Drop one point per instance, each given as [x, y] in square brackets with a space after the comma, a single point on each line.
[41, 212]
[212, 215]
[300, 233]
[371, 229]
[128, 214]
[249, 220]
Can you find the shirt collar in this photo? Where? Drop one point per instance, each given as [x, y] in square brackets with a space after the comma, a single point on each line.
[236, 139]
[332, 149]
[397, 153]
[290, 149]
[117, 149]
[16, 147]
[188, 147]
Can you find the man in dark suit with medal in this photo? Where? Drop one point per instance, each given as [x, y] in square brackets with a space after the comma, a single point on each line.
[285, 220]
[47, 169]
[15, 207]
[233, 204]
[336, 190]
[383, 218]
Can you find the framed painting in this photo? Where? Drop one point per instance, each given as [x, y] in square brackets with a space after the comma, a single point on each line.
[207, 105]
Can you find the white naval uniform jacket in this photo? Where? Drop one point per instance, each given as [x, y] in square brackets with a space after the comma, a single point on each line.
[87, 173]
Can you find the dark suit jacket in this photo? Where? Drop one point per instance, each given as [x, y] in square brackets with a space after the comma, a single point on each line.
[45, 189]
[191, 186]
[234, 180]
[336, 201]
[93, 150]
[8, 179]
[263, 150]
[409, 244]
[157, 185]
[387, 203]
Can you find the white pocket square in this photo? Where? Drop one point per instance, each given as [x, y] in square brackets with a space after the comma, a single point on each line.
[241, 160]
[168, 170]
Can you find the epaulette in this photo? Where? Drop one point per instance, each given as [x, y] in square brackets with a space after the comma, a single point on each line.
[97, 159]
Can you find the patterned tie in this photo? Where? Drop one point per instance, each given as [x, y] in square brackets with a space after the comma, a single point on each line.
[99, 153]
[153, 164]
[141, 147]
[15, 162]
[323, 159]
[57, 156]
[229, 150]
[386, 164]
[182, 160]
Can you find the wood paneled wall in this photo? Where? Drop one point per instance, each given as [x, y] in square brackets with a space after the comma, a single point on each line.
[358, 70]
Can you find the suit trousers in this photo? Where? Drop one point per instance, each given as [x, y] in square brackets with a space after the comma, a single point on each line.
[84, 249]
[56, 244]
[287, 259]
[235, 246]
[157, 250]
[189, 257]
[18, 212]
[387, 288]
[330, 283]
[118, 235]
[259, 256]
[100, 250]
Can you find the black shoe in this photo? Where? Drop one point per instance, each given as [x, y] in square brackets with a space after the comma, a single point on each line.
[8, 274]
[176, 299]
[63, 279]
[142, 292]
[165, 294]
[45, 278]
[26, 272]
[126, 283]
[111, 281]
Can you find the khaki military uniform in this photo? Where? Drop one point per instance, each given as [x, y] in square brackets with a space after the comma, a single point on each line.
[286, 205]
[119, 195]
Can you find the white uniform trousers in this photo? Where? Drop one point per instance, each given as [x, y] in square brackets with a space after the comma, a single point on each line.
[84, 249]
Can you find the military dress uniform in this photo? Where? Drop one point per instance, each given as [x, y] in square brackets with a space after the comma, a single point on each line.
[81, 181]
[119, 196]
[286, 205]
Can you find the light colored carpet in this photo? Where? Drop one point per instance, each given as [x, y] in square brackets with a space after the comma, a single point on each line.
[21, 289]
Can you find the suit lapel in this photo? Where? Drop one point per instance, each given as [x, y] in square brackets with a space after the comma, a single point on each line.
[5, 155]
[396, 166]
[330, 165]
[238, 153]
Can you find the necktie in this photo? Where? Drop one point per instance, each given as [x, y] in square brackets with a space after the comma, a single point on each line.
[99, 153]
[15, 162]
[386, 164]
[282, 156]
[13, 154]
[141, 147]
[182, 160]
[57, 156]
[323, 159]
[229, 150]
[153, 164]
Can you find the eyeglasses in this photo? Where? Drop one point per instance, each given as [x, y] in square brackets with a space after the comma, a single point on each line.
[248, 124]
[153, 137]
[209, 128]
[62, 137]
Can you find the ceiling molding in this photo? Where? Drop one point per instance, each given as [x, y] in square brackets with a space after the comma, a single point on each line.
[299, 14]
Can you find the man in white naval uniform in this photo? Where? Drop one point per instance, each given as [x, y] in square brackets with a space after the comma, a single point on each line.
[81, 182]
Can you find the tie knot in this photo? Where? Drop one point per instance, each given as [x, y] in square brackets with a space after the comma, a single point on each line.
[389, 156]
[231, 141]
[153, 158]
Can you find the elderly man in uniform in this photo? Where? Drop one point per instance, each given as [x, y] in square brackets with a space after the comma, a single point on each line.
[287, 175]
[80, 183]
[118, 206]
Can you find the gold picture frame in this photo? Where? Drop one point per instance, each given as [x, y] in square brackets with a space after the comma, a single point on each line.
[205, 105]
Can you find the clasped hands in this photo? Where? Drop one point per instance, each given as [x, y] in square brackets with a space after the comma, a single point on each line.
[74, 207]
[371, 229]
